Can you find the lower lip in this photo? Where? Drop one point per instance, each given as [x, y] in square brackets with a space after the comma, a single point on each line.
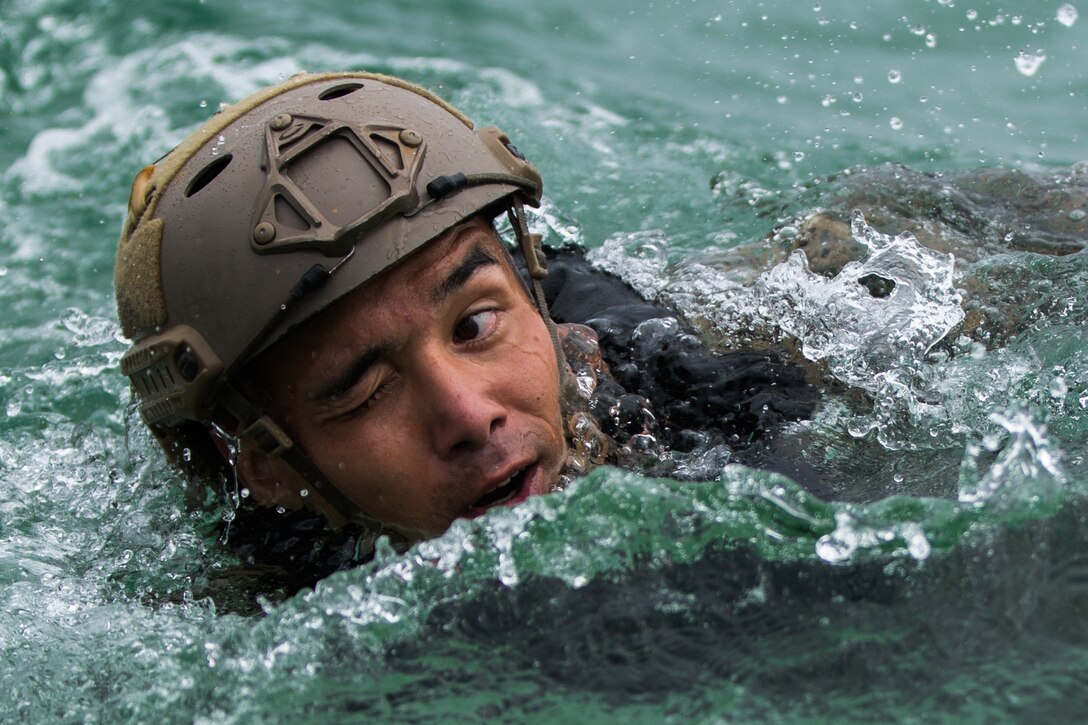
[530, 486]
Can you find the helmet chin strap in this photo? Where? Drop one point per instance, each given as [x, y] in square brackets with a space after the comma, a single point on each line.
[535, 262]
[274, 442]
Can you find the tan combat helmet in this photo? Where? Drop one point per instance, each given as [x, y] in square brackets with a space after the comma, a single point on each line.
[275, 208]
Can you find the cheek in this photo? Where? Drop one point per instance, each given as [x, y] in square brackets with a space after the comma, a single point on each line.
[534, 372]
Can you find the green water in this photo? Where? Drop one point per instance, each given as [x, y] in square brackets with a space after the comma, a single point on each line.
[946, 582]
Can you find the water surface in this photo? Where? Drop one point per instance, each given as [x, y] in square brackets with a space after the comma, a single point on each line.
[684, 142]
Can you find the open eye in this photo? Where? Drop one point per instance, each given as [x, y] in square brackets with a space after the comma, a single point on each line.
[474, 326]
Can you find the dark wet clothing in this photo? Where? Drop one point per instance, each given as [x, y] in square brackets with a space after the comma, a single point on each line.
[697, 396]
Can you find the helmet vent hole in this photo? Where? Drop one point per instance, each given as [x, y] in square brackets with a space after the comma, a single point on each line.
[207, 175]
[339, 91]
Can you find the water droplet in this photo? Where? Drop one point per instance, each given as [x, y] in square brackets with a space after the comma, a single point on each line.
[896, 123]
[1058, 387]
[894, 76]
[1067, 15]
[1028, 63]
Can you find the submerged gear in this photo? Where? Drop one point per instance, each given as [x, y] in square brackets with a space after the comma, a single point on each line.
[274, 209]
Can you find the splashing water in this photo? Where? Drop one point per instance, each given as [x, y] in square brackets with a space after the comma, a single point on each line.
[1026, 456]
[1028, 63]
[871, 327]
[858, 332]
[1067, 15]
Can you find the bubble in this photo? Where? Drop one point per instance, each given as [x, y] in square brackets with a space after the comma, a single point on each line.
[1067, 15]
[817, 7]
[798, 155]
[203, 103]
[894, 76]
[896, 123]
[972, 14]
[1028, 63]
[931, 40]
[14, 408]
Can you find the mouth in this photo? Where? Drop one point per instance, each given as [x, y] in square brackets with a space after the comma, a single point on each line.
[512, 490]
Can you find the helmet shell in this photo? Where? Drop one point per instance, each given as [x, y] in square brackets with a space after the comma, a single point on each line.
[328, 170]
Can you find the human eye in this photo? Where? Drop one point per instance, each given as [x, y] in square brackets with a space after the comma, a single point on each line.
[360, 407]
[475, 326]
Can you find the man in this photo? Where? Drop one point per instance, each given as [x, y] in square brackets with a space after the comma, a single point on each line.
[320, 304]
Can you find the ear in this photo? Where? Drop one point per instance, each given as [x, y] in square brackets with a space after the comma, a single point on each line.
[271, 482]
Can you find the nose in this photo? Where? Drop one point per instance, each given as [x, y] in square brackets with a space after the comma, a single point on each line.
[464, 412]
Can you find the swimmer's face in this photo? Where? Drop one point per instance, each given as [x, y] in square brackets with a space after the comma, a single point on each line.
[429, 393]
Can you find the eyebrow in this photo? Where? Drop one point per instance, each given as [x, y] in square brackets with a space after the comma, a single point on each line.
[344, 382]
[473, 262]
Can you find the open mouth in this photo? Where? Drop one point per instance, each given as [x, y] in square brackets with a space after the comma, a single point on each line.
[504, 492]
